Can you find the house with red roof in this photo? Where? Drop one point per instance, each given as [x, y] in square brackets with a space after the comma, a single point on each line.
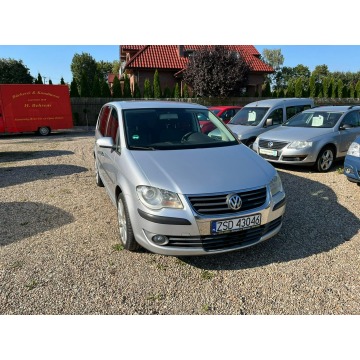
[139, 62]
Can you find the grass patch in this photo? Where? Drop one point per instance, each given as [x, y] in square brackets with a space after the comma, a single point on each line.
[155, 297]
[31, 285]
[118, 247]
[340, 170]
[207, 275]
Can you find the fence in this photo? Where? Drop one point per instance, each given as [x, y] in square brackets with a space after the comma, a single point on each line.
[85, 110]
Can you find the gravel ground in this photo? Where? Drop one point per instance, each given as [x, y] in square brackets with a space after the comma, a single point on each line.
[59, 250]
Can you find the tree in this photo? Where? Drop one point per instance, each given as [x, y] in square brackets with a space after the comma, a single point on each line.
[127, 90]
[14, 72]
[96, 90]
[156, 85]
[137, 92]
[84, 65]
[298, 87]
[266, 89]
[312, 86]
[105, 90]
[177, 91]
[116, 89]
[74, 92]
[216, 71]
[275, 59]
[186, 91]
[357, 89]
[50, 82]
[290, 92]
[340, 89]
[62, 82]
[104, 68]
[39, 79]
[325, 86]
[115, 67]
[320, 72]
[167, 93]
[147, 89]
[84, 86]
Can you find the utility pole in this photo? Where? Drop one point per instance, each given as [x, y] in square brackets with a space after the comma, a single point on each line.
[44, 77]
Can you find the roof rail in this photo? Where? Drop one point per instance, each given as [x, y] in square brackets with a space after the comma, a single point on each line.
[351, 106]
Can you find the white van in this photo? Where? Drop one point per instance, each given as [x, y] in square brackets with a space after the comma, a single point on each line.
[260, 116]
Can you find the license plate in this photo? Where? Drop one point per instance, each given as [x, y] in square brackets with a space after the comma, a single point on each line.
[236, 224]
[268, 152]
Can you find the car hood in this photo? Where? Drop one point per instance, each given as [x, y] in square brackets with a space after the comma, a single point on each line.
[286, 133]
[196, 171]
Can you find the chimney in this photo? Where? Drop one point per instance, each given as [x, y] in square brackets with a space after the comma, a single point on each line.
[181, 50]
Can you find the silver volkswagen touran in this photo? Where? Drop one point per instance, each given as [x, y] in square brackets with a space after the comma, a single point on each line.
[178, 191]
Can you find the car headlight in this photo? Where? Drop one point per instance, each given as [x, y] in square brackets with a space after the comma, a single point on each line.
[155, 198]
[276, 185]
[239, 136]
[300, 144]
[354, 149]
[256, 142]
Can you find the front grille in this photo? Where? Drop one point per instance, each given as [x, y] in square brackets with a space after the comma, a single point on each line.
[225, 241]
[276, 145]
[216, 204]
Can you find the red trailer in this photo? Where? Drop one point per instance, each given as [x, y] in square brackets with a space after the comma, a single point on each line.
[31, 107]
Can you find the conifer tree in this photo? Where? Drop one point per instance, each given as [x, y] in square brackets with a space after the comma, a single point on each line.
[62, 82]
[340, 89]
[74, 92]
[357, 89]
[127, 90]
[156, 85]
[116, 89]
[147, 89]
[84, 86]
[105, 90]
[96, 90]
[177, 91]
[312, 86]
[137, 92]
[39, 79]
[185, 91]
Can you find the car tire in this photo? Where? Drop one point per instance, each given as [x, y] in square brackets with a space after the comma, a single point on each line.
[97, 176]
[125, 229]
[44, 131]
[325, 159]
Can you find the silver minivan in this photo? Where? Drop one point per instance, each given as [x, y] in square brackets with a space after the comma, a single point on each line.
[178, 191]
[260, 116]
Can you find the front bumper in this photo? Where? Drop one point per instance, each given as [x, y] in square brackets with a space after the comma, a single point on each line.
[189, 233]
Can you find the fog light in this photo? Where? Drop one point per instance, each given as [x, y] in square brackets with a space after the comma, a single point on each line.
[160, 239]
[349, 170]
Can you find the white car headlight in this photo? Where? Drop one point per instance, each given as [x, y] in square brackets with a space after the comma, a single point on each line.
[354, 149]
[155, 198]
[256, 142]
[300, 144]
[276, 185]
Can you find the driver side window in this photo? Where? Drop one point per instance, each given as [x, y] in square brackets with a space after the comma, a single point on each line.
[276, 116]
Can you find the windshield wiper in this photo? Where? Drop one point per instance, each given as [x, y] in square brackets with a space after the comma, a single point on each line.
[141, 148]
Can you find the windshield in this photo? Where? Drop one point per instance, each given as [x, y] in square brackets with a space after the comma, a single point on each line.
[318, 119]
[177, 128]
[215, 111]
[249, 116]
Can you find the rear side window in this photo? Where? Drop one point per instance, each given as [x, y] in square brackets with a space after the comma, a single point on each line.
[293, 110]
[103, 116]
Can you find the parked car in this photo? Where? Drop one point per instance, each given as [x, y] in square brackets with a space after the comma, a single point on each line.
[178, 191]
[225, 113]
[316, 136]
[352, 162]
[260, 116]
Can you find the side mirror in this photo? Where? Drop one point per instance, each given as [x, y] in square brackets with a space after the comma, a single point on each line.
[345, 126]
[106, 142]
[268, 122]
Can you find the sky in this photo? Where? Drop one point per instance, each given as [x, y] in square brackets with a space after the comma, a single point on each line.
[53, 61]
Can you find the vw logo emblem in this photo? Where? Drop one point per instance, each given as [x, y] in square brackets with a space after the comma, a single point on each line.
[234, 201]
[270, 144]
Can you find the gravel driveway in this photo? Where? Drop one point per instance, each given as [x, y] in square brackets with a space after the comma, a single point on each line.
[59, 249]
